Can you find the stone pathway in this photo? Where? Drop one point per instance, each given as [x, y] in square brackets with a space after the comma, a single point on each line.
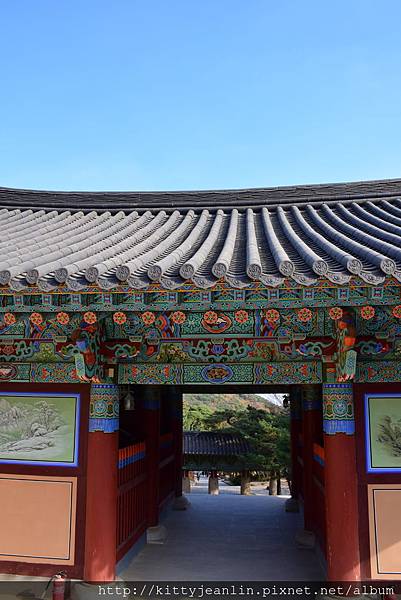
[228, 537]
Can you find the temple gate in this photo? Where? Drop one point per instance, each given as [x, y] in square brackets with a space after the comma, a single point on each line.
[113, 305]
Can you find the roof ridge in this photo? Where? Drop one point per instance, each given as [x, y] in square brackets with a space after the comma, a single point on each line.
[300, 194]
[391, 181]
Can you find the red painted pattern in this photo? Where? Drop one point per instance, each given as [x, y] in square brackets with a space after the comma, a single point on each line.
[318, 454]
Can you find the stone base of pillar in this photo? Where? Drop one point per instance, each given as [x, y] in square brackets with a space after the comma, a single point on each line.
[89, 591]
[305, 539]
[156, 535]
[213, 487]
[186, 485]
[292, 505]
[180, 503]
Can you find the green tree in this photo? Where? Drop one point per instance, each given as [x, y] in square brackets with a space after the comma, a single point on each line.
[267, 435]
[195, 418]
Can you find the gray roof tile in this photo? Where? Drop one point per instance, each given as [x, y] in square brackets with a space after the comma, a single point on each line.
[214, 443]
[304, 233]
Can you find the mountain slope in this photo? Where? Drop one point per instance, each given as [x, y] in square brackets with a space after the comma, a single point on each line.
[230, 401]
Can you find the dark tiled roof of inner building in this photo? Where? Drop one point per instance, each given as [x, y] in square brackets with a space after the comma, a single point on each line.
[214, 444]
[74, 240]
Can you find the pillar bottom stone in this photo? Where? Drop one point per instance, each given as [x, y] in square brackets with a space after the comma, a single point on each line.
[156, 535]
[292, 505]
[305, 539]
[181, 503]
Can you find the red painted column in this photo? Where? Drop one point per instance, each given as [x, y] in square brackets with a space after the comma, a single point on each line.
[341, 483]
[295, 430]
[311, 428]
[101, 495]
[151, 429]
[177, 423]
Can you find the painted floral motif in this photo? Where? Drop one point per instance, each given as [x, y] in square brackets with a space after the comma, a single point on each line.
[367, 312]
[171, 353]
[216, 323]
[397, 311]
[178, 317]
[90, 317]
[8, 372]
[120, 318]
[335, 313]
[7, 350]
[304, 315]
[272, 315]
[217, 373]
[63, 318]
[9, 318]
[210, 317]
[36, 318]
[262, 351]
[241, 316]
[148, 318]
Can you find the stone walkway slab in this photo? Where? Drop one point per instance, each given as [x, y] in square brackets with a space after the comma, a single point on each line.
[228, 537]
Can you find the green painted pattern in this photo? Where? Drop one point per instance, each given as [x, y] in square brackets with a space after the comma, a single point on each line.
[258, 335]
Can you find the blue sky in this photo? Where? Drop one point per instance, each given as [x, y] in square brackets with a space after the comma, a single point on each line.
[123, 94]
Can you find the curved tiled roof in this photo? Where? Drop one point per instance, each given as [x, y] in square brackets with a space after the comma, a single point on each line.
[214, 443]
[303, 233]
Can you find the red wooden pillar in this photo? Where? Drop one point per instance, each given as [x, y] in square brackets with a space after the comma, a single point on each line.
[177, 424]
[295, 431]
[311, 430]
[101, 495]
[341, 483]
[151, 431]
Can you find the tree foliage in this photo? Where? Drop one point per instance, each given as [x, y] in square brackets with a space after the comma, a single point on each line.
[230, 401]
[267, 434]
[196, 417]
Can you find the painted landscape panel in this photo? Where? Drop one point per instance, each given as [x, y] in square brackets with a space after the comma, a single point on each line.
[383, 432]
[39, 429]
